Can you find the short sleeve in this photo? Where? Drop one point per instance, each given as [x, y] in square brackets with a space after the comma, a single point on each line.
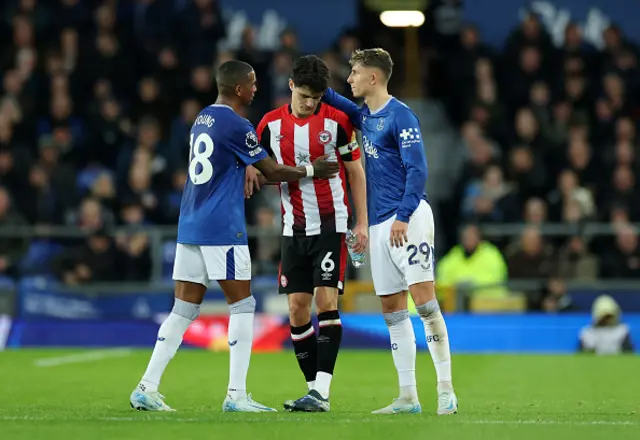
[246, 147]
[264, 135]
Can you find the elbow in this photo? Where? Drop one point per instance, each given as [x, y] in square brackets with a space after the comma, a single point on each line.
[271, 173]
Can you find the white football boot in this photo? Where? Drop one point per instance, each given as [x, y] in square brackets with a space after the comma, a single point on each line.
[447, 403]
[148, 401]
[401, 406]
[244, 404]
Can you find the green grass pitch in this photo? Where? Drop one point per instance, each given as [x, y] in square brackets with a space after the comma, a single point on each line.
[66, 394]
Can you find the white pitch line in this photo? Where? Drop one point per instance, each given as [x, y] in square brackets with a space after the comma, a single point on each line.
[88, 356]
[267, 419]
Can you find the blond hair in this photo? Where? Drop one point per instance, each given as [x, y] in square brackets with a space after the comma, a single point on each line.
[377, 57]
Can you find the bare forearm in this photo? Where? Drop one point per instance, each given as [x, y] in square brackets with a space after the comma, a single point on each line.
[358, 185]
[283, 173]
[274, 172]
[264, 181]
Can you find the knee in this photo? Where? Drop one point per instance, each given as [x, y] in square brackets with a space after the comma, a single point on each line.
[394, 303]
[395, 318]
[186, 309]
[422, 293]
[429, 310]
[299, 310]
[246, 305]
[326, 300]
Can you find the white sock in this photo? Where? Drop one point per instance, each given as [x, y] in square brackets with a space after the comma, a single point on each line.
[311, 385]
[240, 343]
[435, 331]
[323, 383]
[403, 350]
[169, 339]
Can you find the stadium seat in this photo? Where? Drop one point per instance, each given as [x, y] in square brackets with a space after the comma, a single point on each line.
[86, 177]
[37, 260]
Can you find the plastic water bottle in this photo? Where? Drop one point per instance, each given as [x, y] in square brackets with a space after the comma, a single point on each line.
[357, 259]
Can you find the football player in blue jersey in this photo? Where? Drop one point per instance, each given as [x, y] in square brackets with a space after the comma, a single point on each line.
[212, 236]
[401, 229]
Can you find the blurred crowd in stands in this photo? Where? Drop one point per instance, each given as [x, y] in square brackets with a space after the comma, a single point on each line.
[549, 135]
[98, 97]
[97, 101]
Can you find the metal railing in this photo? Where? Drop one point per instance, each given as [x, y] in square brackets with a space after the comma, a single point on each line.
[589, 229]
[158, 235]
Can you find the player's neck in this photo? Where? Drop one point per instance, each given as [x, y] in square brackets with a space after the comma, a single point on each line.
[377, 100]
[223, 100]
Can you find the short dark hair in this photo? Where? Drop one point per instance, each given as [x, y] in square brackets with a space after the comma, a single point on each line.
[311, 72]
[231, 74]
[378, 58]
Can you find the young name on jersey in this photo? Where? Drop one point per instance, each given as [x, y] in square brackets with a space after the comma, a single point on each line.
[222, 145]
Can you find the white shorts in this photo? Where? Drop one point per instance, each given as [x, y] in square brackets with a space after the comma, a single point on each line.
[203, 264]
[395, 269]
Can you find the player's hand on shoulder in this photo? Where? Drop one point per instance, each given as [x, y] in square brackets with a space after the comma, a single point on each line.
[399, 233]
[251, 181]
[361, 231]
[323, 169]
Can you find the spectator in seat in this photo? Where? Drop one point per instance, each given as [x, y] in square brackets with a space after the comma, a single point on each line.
[490, 199]
[555, 297]
[91, 216]
[173, 198]
[12, 248]
[96, 260]
[475, 264]
[569, 190]
[575, 262]
[133, 244]
[623, 192]
[533, 258]
[528, 172]
[535, 212]
[623, 261]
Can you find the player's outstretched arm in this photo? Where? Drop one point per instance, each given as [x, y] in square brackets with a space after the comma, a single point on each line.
[274, 172]
[343, 104]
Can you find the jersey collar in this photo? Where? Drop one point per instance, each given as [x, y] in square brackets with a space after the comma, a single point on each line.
[381, 108]
[290, 110]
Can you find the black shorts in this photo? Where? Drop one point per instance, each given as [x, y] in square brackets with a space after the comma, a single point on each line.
[312, 261]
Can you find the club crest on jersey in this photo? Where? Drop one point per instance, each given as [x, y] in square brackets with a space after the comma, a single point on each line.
[303, 158]
[380, 125]
[251, 140]
[324, 137]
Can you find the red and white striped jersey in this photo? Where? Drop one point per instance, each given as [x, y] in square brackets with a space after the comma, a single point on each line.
[311, 206]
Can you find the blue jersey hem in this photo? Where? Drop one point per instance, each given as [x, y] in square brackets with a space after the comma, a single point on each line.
[211, 243]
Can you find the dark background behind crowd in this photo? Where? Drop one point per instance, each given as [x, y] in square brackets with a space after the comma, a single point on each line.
[98, 97]
[97, 101]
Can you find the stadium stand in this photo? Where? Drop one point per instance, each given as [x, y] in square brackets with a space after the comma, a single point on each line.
[98, 97]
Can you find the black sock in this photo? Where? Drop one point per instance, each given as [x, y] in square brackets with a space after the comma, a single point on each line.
[329, 340]
[305, 346]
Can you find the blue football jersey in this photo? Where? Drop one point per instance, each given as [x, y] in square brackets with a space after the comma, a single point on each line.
[395, 159]
[222, 145]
